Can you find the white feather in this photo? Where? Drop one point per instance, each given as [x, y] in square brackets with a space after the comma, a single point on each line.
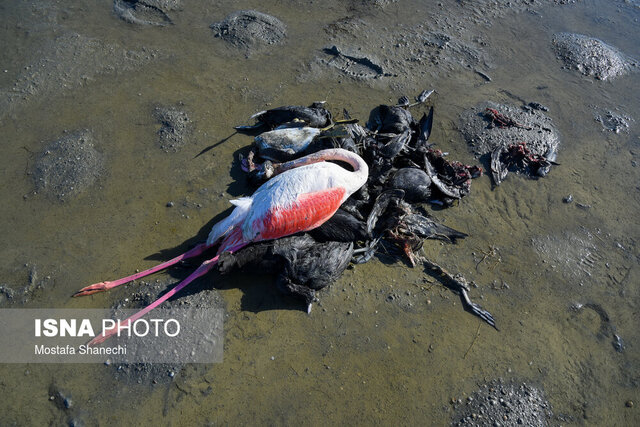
[237, 216]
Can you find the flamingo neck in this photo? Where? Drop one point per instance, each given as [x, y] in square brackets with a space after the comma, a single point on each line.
[360, 168]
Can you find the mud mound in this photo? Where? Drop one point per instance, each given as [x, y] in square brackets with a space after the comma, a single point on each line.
[250, 30]
[590, 56]
[498, 403]
[533, 127]
[176, 129]
[68, 166]
[146, 12]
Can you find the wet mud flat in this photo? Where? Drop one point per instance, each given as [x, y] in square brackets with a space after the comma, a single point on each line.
[150, 84]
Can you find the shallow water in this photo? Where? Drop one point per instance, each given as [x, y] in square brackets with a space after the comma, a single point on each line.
[360, 357]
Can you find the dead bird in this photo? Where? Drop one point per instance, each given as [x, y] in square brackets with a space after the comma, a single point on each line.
[284, 143]
[394, 145]
[276, 147]
[287, 142]
[355, 133]
[396, 118]
[451, 178]
[415, 183]
[497, 119]
[407, 228]
[397, 222]
[390, 119]
[341, 227]
[303, 265]
[314, 115]
[425, 126]
[403, 101]
[519, 157]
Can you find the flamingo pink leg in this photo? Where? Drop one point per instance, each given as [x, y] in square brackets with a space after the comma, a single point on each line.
[103, 286]
[204, 268]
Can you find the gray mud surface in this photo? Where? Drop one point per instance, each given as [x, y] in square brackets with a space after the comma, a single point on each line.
[250, 30]
[592, 57]
[177, 127]
[361, 50]
[68, 62]
[34, 284]
[68, 166]
[542, 138]
[353, 64]
[500, 403]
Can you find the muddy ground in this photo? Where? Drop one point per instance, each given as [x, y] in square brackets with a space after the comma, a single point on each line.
[151, 84]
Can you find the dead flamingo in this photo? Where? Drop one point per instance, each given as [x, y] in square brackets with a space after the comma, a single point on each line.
[305, 194]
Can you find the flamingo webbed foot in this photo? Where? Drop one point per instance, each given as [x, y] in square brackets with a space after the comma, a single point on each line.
[92, 289]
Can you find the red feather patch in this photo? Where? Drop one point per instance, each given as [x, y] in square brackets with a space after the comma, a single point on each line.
[310, 211]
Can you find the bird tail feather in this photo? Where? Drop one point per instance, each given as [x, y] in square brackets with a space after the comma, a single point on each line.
[236, 217]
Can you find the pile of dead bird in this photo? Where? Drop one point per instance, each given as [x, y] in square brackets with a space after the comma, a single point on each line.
[384, 217]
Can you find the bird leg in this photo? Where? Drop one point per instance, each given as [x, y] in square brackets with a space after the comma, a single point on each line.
[204, 268]
[103, 286]
[459, 285]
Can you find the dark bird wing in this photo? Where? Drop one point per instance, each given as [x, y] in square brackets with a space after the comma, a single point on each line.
[429, 229]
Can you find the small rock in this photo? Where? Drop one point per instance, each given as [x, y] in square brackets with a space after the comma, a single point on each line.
[538, 106]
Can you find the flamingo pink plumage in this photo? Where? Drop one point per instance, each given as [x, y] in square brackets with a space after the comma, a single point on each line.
[305, 194]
